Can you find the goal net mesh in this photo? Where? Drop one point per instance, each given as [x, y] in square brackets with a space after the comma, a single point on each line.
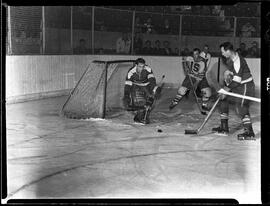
[94, 95]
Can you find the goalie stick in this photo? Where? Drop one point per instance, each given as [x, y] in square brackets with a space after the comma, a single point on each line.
[148, 107]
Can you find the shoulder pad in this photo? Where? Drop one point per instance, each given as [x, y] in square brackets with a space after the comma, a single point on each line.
[189, 58]
[148, 68]
[131, 72]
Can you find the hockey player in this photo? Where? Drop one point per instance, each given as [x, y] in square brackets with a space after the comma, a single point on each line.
[140, 90]
[196, 68]
[237, 79]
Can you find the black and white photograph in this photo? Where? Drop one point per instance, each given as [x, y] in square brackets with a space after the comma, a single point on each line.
[133, 102]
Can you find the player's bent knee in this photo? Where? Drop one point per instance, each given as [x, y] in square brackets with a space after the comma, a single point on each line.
[182, 91]
[207, 92]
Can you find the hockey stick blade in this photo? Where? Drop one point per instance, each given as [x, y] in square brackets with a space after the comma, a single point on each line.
[191, 131]
[203, 113]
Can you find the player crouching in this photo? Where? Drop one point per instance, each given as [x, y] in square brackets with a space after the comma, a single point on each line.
[195, 68]
[140, 91]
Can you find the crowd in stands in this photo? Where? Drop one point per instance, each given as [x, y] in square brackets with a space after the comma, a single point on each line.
[213, 21]
[238, 10]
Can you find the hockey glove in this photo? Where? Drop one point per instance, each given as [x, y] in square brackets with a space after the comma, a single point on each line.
[228, 77]
[222, 92]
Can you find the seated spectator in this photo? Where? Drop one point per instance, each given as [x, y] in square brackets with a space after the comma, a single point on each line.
[242, 50]
[176, 52]
[147, 49]
[81, 49]
[206, 55]
[185, 9]
[166, 28]
[123, 44]
[226, 25]
[148, 27]
[138, 25]
[247, 30]
[205, 10]
[138, 43]
[254, 51]
[100, 25]
[167, 49]
[216, 10]
[185, 52]
[101, 51]
[158, 50]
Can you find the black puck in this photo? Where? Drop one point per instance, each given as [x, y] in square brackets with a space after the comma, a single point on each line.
[159, 130]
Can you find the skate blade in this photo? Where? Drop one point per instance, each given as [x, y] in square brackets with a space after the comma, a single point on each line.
[246, 139]
[139, 123]
[221, 134]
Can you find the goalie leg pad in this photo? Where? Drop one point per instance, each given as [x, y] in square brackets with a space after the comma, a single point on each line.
[138, 96]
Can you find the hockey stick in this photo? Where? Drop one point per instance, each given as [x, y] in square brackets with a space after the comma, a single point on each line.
[148, 108]
[194, 92]
[241, 96]
[189, 131]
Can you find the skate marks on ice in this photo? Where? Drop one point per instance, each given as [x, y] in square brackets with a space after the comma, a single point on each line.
[117, 158]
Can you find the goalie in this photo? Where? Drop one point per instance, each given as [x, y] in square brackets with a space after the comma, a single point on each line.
[196, 68]
[140, 91]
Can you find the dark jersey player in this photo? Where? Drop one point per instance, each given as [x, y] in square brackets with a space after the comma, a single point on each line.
[237, 79]
[196, 68]
[140, 90]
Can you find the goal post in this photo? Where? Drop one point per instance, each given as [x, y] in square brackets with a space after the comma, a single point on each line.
[99, 90]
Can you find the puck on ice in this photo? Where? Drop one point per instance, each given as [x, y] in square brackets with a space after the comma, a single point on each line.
[159, 130]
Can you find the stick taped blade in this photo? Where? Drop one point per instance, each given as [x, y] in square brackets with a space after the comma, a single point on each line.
[190, 131]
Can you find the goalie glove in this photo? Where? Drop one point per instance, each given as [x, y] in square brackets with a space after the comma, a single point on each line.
[157, 91]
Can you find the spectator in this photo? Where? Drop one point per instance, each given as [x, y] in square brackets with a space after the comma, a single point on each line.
[100, 25]
[205, 10]
[242, 50]
[166, 28]
[247, 30]
[101, 51]
[185, 9]
[138, 25]
[185, 52]
[138, 43]
[147, 49]
[148, 26]
[206, 55]
[254, 51]
[81, 49]
[167, 49]
[216, 11]
[176, 52]
[123, 44]
[158, 50]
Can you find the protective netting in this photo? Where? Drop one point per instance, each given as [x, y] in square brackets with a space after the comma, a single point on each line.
[25, 29]
[92, 96]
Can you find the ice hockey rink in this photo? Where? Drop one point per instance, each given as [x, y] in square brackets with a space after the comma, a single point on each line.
[49, 156]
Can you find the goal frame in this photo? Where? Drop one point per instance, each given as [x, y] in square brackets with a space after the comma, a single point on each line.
[106, 65]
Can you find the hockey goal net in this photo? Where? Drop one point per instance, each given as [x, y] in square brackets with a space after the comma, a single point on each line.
[99, 90]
